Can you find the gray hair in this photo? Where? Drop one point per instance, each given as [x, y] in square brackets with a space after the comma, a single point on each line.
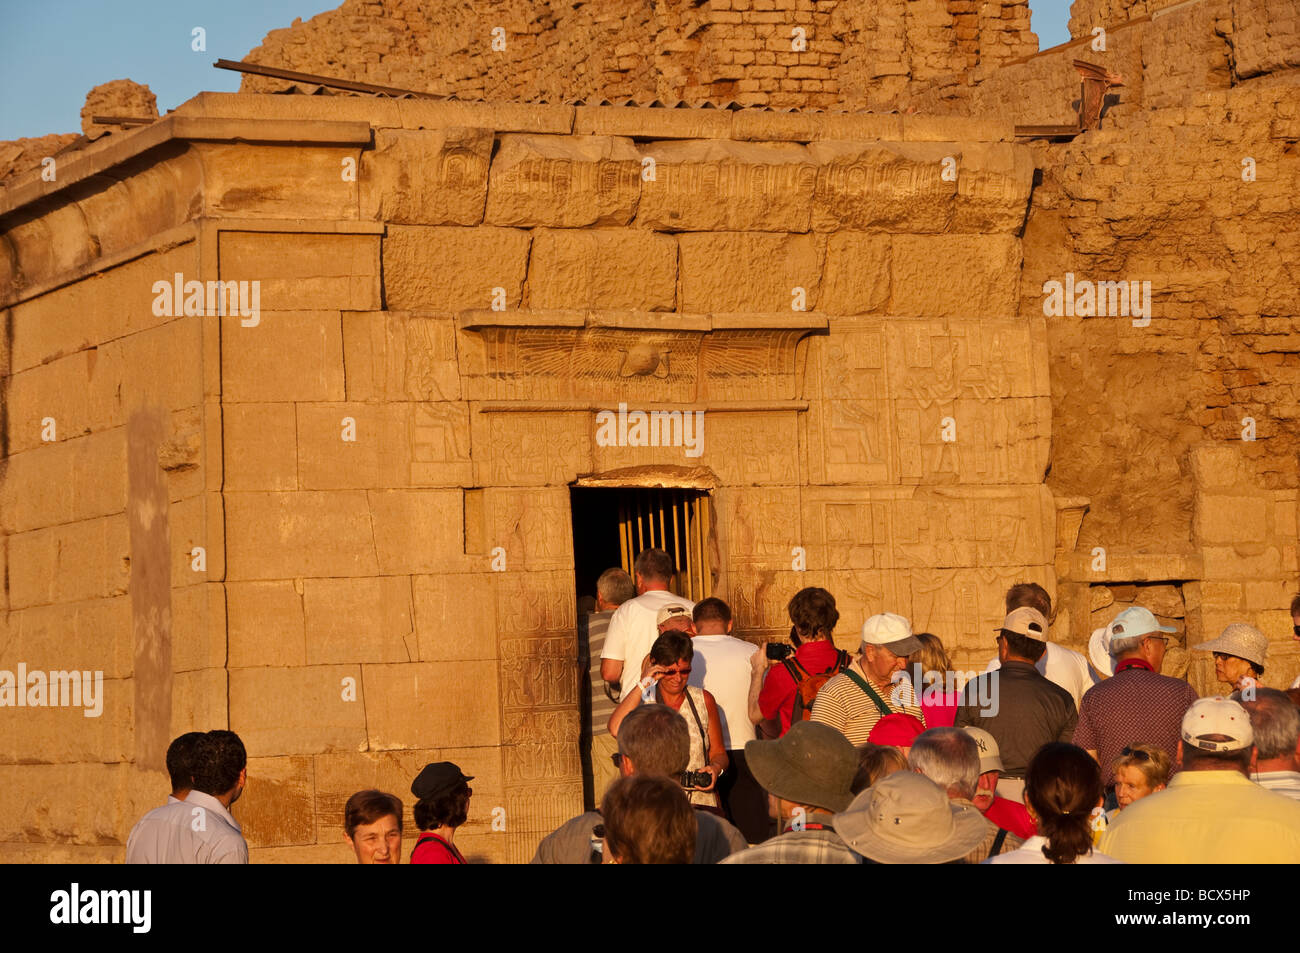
[1276, 722]
[615, 586]
[1120, 647]
[949, 757]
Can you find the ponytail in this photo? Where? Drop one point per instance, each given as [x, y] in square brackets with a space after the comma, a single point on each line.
[1063, 785]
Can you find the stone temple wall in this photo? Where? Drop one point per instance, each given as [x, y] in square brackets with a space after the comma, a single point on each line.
[861, 55]
[347, 621]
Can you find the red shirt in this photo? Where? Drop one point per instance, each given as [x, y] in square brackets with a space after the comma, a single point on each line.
[432, 849]
[777, 694]
[1011, 817]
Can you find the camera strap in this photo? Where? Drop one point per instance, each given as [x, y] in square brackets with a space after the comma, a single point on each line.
[704, 735]
[862, 684]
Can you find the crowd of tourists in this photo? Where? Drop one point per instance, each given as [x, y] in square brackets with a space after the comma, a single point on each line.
[705, 748]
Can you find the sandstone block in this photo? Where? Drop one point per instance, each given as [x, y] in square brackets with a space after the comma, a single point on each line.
[758, 527]
[34, 805]
[530, 449]
[288, 356]
[568, 182]
[73, 479]
[532, 525]
[873, 186]
[603, 269]
[450, 189]
[66, 728]
[70, 562]
[246, 180]
[1225, 519]
[260, 441]
[956, 129]
[432, 704]
[266, 625]
[305, 272]
[994, 181]
[286, 535]
[277, 807]
[92, 635]
[982, 275]
[417, 531]
[359, 620]
[285, 711]
[199, 637]
[451, 269]
[531, 604]
[856, 280]
[400, 356]
[749, 271]
[719, 185]
[445, 630]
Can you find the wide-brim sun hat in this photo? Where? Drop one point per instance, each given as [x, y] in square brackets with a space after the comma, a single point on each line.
[1242, 640]
[811, 764]
[905, 818]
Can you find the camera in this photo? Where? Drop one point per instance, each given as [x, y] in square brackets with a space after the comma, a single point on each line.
[696, 779]
[779, 650]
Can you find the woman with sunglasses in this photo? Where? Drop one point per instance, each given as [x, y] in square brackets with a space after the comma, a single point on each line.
[1239, 655]
[663, 679]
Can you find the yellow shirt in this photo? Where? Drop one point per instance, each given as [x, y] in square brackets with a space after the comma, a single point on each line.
[1207, 817]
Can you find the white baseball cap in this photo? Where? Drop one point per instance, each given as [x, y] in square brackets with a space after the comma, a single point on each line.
[894, 632]
[1217, 716]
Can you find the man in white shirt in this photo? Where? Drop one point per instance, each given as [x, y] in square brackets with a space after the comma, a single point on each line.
[199, 829]
[633, 628]
[1065, 667]
[723, 666]
[1276, 722]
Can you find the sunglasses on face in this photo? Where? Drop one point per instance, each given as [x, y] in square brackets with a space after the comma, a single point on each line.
[1135, 754]
[671, 672]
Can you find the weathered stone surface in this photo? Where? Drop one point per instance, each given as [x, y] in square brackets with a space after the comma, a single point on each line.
[73, 479]
[276, 808]
[441, 598]
[301, 710]
[453, 268]
[994, 181]
[566, 182]
[400, 356]
[277, 182]
[417, 531]
[603, 268]
[120, 98]
[530, 449]
[749, 271]
[303, 271]
[981, 275]
[287, 356]
[874, 186]
[265, 624]
[260, 441]
[718, 185]
[359, 620]
[287, 535]
[856, 280]
[69, 562]
[357, 446]
[432, 704]
[449, 188]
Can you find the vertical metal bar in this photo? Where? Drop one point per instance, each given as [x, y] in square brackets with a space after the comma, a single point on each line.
[705, 576]
[663, 540]
[677, 540]
[622, 537]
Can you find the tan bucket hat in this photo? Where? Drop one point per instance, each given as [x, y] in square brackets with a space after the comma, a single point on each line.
[905, 818]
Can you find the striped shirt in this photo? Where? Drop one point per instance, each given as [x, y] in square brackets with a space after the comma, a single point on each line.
[843, 705]
[1286, 783]
[602, 705]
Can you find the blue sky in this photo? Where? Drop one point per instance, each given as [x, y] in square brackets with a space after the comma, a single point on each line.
[53, 52]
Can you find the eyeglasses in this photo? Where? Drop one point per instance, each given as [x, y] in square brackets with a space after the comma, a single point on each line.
[672, 672]
[1222, 656]
[1136, 754]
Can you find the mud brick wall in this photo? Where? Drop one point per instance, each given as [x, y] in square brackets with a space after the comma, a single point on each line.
[348, 623]
[855, 54]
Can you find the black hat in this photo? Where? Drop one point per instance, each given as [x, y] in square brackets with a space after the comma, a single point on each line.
[437, 778]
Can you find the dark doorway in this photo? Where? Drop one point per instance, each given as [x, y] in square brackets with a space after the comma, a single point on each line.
[610, 526]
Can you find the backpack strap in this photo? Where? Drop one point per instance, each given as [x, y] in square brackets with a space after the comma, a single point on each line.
[862, 684]
[793, 669]
[842, 661]
[998, 842]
